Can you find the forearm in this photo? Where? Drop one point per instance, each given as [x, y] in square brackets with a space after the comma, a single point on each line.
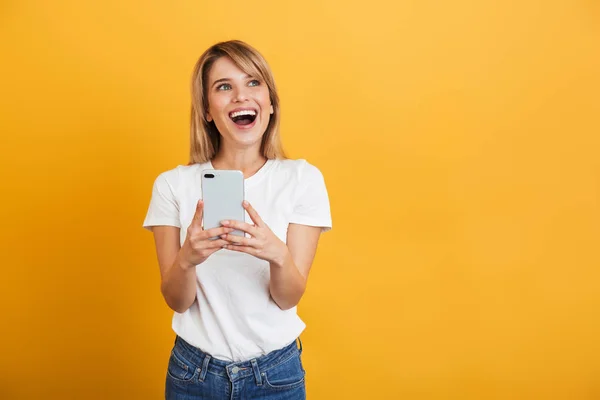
[178, 285]
[287, 284]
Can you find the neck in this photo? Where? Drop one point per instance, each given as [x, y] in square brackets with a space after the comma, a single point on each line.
[249, 162]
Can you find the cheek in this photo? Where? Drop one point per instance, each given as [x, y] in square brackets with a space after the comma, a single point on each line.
[264, 99]
[216, 106]
[267, 100]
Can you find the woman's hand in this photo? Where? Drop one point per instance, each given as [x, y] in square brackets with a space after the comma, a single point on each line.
[198, 246]
[263, 243]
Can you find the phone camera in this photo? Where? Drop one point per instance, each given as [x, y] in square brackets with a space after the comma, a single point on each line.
[209, 176]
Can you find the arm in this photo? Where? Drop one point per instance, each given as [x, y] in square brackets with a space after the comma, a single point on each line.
[178, 279]
[178, 264]
[289, 263]
[289, 277]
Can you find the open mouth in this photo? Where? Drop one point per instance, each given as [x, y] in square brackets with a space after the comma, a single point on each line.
[243, 117]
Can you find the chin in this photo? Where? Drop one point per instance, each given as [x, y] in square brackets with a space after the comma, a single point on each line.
[248, 137]
[245, 139]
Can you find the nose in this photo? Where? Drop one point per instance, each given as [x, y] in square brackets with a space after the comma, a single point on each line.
[240, 94]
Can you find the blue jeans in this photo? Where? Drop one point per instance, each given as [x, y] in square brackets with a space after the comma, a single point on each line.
[193, 374]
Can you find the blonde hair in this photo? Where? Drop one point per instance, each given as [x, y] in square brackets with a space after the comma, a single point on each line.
[205, 139]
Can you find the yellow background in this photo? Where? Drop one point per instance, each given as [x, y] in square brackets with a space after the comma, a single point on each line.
[460, 145]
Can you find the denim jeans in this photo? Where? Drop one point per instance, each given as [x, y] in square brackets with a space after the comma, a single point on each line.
[193, 374]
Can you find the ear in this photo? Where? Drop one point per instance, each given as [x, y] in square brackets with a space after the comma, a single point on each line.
[208, 117]
[272, 111]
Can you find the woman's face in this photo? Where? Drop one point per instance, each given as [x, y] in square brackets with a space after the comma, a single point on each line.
[238, 104]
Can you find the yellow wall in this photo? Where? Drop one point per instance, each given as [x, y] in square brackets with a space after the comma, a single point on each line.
[459, 141]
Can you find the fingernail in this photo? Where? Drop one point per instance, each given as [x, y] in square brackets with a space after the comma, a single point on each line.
[245, 203]
[224, 222]
[223, 236]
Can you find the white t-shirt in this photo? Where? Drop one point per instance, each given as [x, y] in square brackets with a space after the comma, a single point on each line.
[234, 317]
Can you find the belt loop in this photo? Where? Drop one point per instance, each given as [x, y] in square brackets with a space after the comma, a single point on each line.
[257, 375]
[300, 343]
[204, 368]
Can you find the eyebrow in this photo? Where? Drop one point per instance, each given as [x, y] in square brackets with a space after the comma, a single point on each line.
[227, 80]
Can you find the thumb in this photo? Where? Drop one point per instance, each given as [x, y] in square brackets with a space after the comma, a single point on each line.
[197, 221]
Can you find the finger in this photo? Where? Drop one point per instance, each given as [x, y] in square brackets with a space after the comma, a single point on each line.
[253, 214]
[242, 226]
[212, 244]
[217, 244]
[214, 232]
[239, 240]
[242, 249]
[211, 250]
[197, 220]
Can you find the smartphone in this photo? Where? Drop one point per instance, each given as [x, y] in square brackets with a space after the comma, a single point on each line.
[223, 194]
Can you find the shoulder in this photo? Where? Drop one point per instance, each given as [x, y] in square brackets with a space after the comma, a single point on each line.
[298, 169]
[179, 174]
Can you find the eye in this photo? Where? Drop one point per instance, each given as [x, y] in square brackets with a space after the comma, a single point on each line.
[225, 86]
[254, 82]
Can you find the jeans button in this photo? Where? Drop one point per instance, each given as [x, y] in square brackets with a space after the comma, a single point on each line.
[235, 370]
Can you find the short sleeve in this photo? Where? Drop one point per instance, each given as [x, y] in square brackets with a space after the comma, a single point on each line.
[164, 207]
[311, 205]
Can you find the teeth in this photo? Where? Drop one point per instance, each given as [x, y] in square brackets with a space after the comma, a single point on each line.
[242, 112]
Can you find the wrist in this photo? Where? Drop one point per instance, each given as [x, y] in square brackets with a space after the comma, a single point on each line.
[182, 263]
[283, 259]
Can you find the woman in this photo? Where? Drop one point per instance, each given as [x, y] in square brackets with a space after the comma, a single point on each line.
[234, 298]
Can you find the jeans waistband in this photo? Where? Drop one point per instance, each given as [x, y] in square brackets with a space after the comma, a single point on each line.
[235, 370]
